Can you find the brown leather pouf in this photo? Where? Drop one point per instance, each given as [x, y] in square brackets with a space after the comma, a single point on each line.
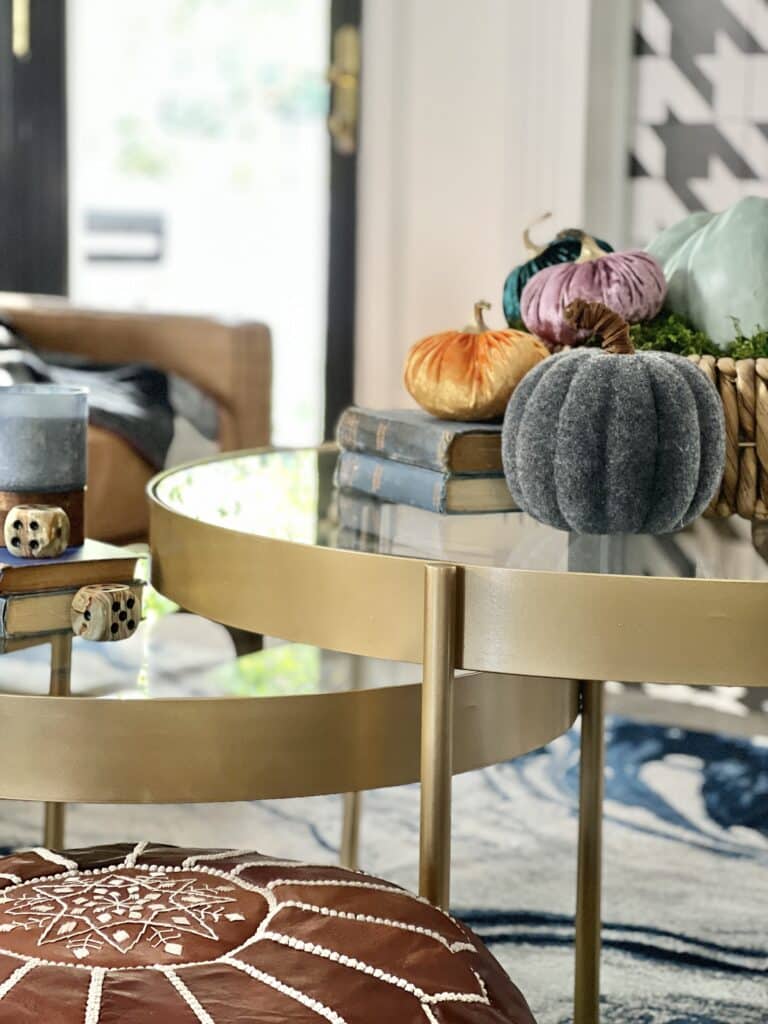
[159, 935]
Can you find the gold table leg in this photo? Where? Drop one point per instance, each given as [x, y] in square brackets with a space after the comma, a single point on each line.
[350, 831]
[437, 733]
[61, 668]
[349, 854]
[589, 883]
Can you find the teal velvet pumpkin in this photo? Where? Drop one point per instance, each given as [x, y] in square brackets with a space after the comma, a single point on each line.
[716, 266]
[565, 247]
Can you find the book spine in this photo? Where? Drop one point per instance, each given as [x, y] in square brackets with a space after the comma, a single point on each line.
[39, 576]
[37, 614]
[428, 446]
[392, 481]
[30, 615]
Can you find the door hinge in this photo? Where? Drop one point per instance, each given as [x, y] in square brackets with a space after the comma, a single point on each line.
[21, 32]
[344, 76]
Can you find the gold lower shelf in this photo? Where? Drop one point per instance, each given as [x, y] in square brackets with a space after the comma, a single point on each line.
[96, 750]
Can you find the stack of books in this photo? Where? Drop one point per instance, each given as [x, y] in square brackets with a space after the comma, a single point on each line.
[407, 457]
[41, 590]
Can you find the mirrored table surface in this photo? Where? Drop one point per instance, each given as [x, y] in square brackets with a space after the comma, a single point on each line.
[290, 496]
[177, 655]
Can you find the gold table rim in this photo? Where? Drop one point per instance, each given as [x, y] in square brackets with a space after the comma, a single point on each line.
[276, 747]
[629, 628]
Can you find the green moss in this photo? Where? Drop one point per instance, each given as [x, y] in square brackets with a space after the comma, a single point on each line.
[755, 347]
[668, 332]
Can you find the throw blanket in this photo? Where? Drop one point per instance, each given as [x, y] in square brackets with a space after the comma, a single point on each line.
[135, 401]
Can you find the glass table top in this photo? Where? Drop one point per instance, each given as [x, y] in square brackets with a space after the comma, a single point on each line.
[290, 496]
[176, 654]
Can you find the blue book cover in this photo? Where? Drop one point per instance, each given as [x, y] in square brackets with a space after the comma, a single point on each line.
[405, 484]
[415, 437]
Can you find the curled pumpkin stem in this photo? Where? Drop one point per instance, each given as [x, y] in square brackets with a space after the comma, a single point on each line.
[590, 250]
[528, 242]
[480, 323]
[611, 329]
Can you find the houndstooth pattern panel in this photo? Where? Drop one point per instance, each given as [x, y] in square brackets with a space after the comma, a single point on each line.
[700, 135]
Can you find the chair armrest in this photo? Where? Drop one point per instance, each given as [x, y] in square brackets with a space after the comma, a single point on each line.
[231, 362]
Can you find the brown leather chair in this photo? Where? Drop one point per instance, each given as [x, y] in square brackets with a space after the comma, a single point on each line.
[230, 362]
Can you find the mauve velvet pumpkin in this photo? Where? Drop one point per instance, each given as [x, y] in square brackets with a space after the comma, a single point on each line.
[631, 283]
[564, 248]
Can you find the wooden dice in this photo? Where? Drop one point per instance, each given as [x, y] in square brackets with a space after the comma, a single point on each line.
[109, 611]
[36, 531]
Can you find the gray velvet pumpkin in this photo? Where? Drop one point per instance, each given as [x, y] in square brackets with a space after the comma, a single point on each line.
[614, 441]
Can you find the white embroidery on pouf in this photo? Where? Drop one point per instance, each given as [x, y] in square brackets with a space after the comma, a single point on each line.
[202, 1015]
[93, 1006]
[118, 908]
[286, 990]
[119, 911]
[16, 977]
[136, 852]
[49, 855]
[343, 915]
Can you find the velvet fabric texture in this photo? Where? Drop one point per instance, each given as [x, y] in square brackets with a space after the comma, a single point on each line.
[601, 443]
[631, 283]
[469, 375]
[716, 265]
[564, 249]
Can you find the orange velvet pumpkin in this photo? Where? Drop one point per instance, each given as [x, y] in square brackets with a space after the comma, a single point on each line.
[470, 374]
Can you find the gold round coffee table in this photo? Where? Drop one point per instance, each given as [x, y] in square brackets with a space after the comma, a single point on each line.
[515, 625]
[367, 733]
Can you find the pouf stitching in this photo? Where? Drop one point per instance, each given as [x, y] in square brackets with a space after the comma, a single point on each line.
[275, 906]
[190, 862]
[344, 915]
[376, 972]
[50, 855]
[263, 931]
[136, 852]
[287, 990]
[95, 990]
[188, 997]
[270, 899]
[16, 977]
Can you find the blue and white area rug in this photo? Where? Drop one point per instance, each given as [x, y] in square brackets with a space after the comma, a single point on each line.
[686, 849]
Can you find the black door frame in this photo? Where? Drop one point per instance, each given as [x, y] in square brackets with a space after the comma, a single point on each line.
[340, 337]
[33, 152]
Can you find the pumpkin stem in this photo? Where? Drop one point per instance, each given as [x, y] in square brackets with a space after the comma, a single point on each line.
[608, 326]
[528, 242]
[590, 250]
[480, 326]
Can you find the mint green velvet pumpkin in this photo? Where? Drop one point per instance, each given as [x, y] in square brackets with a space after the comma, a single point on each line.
[716, 266]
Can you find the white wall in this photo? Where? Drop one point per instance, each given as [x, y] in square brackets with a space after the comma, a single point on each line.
[474, 115]
[610, 116]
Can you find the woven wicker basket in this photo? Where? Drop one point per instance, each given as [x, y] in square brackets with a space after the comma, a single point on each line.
[743, 388]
